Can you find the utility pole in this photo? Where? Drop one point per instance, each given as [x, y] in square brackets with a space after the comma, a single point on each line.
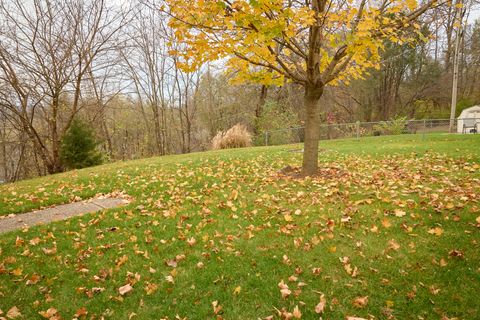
[460, 12]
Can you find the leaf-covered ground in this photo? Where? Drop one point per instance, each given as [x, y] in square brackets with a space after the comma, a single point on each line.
[390, 229]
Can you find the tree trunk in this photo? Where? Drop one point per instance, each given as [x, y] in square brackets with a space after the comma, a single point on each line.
[55, 165]
[39, 147]
[158, 130]
[164, 133]
[312, 130]
[259, 108]
[3, 147]
[108, 137]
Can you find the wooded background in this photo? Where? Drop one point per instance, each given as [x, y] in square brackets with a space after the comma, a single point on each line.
[110, 65]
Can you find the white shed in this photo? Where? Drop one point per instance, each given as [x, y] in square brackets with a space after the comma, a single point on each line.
[468, 120]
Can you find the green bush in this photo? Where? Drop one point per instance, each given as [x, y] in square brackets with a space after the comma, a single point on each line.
[463, 104]
[392, 127]
[79, 147]
[427, 109]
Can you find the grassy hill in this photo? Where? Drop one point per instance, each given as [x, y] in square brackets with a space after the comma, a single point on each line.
[389, 229]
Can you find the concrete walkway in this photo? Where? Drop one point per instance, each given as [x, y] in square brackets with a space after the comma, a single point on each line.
[61, 212]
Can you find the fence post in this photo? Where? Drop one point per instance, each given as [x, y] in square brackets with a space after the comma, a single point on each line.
[424, 128]
[266, 138]
[358, 130]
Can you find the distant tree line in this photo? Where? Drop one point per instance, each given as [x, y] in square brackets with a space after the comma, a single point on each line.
[110, 67]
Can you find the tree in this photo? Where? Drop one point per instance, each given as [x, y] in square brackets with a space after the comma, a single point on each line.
[48, 51]
[313, 43]
[164, 92]
[79, 147]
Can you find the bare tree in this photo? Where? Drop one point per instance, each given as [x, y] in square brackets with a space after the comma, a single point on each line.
[47, 51]
[147, 63]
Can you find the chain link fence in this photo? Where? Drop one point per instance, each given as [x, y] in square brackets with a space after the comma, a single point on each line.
[368, 129]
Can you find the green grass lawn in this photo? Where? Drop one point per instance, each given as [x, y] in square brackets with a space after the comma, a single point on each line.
[390, 229]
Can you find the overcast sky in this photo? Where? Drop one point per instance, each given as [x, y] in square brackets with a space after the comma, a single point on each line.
[475, 14]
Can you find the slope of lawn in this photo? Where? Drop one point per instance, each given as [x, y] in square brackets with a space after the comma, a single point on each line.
[390, 229]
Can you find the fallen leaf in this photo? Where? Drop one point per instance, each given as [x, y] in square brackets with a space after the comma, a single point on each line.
[360, 302]
[19, 242]
[17, 272]
[13, 313]
[34, 278]
[386, 223]
[170, 279]
[392, 244]
[125, 289]
[237, 290]
[399, 213]
[316, 271]
[81, 312]
[97, 289]
[436, 231]
[411, 295]
[216, 307]
[171, 263]
[121, 261]
[296, 313]
[456, 253]
[443, 263]
[284, 290]
[320, 307]
[434, 290]
[51, 313]
[50, 251]
[35, 241]
[286, 260]
[191, 242]
[150, 288]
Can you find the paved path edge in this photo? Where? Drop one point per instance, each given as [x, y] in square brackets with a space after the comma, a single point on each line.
[58, 213]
